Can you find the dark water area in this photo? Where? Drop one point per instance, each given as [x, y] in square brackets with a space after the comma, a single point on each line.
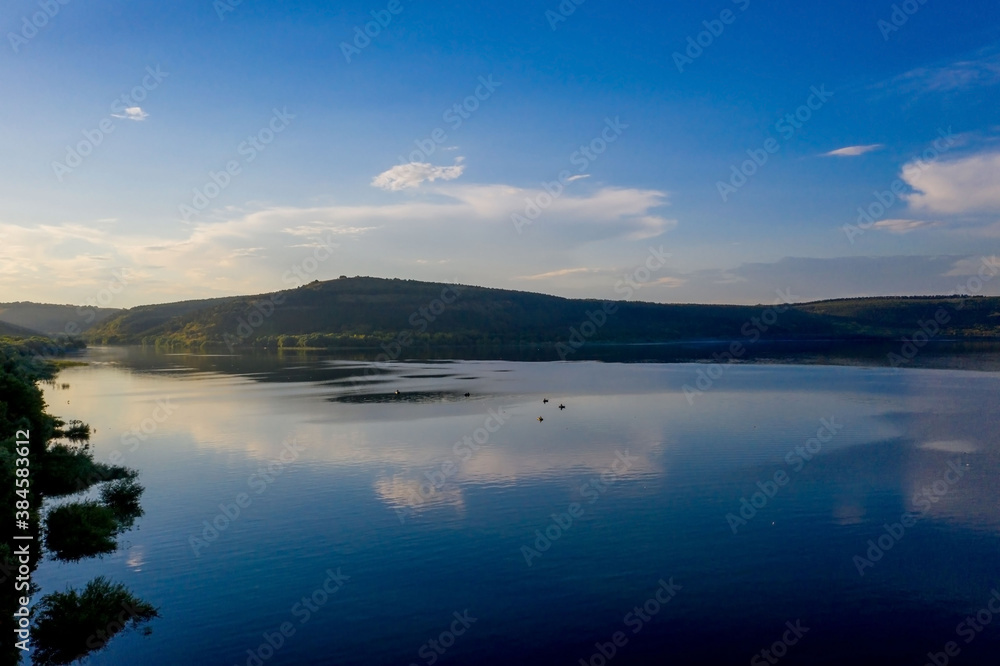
[313, 508]
[270, 364]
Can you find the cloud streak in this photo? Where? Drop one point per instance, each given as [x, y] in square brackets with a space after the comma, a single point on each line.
[132, 113]
[957, 76]
[412, 175]
[854, 151]
[554, 274]
[903, 226]
[250, 251]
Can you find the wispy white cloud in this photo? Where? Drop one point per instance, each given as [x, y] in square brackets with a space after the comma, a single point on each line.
[408, 176]
[577, 177]
[319, 229]
[969, 266]
[903, 226]
[625, 212]
[966, 185]
[132, 113]
[472, 223]
[554, 274]
[670, 282]
[248, 252]
[956, 76]
[854, 151]
[650, 226]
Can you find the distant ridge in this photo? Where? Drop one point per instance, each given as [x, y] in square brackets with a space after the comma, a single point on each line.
[364, 311]
[54, 320]
[17, 331]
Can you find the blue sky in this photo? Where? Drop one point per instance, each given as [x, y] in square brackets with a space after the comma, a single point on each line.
[360, 149]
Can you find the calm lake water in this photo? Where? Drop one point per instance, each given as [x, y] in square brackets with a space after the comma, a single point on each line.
[826, 514]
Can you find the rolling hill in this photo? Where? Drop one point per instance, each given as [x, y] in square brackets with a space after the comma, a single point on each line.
[365, 311]
[10, 330]
[54, 320]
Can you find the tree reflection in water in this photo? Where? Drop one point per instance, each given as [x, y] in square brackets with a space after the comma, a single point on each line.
[68, 625]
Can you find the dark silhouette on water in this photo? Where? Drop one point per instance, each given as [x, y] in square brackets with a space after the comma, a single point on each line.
[69, 624]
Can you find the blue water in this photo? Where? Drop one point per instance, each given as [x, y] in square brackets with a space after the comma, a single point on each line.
[433, 550]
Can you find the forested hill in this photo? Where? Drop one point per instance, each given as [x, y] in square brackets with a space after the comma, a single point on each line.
[368, 311]
[13, 330]
[53, 320]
